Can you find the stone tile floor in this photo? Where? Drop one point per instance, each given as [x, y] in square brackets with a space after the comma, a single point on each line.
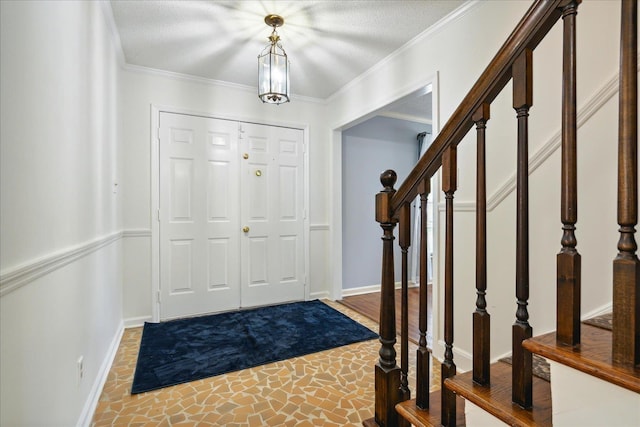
[330, 388]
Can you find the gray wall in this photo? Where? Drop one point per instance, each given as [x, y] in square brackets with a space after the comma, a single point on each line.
[367, 150]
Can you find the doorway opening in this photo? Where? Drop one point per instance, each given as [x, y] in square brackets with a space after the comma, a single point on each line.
[391, 137]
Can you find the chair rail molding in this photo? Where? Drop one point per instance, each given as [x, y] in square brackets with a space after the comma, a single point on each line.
[319, 227]
[25, 273]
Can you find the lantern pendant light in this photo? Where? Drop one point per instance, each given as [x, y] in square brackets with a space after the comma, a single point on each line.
[273, 67]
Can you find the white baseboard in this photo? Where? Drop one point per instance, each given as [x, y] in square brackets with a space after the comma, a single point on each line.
[349, 292]
[607, 308]
[94, 395]
[319, 295]
[134, 322]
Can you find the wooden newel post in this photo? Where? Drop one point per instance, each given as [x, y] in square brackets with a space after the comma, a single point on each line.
[387, 372]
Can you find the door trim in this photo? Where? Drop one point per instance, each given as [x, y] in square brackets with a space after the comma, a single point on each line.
[154, 208]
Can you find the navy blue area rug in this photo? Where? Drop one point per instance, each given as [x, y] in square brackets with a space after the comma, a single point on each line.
[186, 350]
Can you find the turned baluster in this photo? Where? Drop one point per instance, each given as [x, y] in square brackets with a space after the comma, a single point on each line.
[387, 372]
[448, 367]
[404, 237]
[569, 260]
[423, 356]
[626, 268]
[522, 379]
[481, 318]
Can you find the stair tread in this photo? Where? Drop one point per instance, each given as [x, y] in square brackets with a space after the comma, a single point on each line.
[496, 399]
[604, 321]
[592, 356]
[431, 417]
[540, 366]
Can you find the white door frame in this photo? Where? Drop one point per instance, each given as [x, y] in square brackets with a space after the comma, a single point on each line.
[335, 260]
[155, 192]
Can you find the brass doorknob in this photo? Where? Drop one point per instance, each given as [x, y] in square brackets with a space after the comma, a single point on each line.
[245, 156]
[245, 229]
[258, 172]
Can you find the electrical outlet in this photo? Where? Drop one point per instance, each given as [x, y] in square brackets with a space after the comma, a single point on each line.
[80, 368]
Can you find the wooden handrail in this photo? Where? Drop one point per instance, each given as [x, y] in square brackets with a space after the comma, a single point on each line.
[536, 23]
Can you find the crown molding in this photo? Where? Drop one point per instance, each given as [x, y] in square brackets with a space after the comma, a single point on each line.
[429, 32]
[208, 82]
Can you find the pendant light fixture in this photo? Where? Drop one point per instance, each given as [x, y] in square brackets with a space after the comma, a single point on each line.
[273, 67]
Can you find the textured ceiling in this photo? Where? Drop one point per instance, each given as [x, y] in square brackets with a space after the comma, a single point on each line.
[329, 43]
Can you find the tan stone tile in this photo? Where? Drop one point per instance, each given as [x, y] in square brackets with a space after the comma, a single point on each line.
[211, 417]
[225, 419]
[226, 407]
[276, 404]
[177, 418]
[254, 420]
[276, 420]
[261, 406]
[290, 408]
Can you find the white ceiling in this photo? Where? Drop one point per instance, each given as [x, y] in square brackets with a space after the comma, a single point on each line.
[329, 42]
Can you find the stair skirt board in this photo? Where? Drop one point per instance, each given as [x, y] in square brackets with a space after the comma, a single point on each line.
[598, 403]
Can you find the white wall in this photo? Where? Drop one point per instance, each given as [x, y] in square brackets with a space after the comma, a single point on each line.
[458, 52]
[368, 149]
[60, 220]
[140, 90]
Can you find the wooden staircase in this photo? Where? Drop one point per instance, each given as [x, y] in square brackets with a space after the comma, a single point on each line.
[592, 356]
[510, 392]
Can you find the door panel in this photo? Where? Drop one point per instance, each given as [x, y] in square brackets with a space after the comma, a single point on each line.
[181, 264]
[218, 264]
[199, 241]
[272, 208]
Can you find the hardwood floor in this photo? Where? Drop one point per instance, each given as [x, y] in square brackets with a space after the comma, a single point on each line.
[369, 305]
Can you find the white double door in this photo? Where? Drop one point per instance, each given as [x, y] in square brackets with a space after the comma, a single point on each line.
[231, 215]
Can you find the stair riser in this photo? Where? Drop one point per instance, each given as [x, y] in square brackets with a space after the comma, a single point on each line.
[478, 417]
[584, 400]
